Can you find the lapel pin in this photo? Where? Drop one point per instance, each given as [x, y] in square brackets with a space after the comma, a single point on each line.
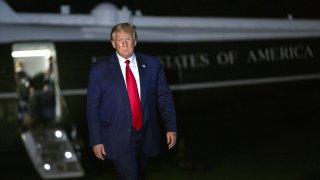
[143, 65]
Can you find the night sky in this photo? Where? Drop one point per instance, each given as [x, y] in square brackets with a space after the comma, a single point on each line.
[215, 8]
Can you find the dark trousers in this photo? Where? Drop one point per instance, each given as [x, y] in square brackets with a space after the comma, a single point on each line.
[133, 165]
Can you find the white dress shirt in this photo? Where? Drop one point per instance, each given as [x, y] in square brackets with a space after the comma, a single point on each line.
[134, 68]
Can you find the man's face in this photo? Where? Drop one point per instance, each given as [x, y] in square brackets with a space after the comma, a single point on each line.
[124, 44]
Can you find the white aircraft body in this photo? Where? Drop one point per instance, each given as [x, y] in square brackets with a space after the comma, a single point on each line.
[94, 26]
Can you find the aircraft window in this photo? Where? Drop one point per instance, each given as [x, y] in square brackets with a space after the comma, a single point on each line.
[36, 83]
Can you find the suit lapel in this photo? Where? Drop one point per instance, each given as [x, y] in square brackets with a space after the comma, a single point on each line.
[117, 73]
[142, 74]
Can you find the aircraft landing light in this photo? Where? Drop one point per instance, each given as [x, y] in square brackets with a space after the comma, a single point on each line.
[47, 167]
[68, 155]
[58, 134]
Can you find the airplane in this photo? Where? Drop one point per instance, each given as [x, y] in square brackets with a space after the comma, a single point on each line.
[206, 55]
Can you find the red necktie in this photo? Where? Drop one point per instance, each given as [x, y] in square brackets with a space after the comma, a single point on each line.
[133, 98]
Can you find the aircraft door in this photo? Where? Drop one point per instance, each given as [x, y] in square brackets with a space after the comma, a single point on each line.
[36, 83]
[40, 111]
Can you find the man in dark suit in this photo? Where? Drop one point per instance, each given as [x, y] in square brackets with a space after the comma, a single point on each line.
[124, 128]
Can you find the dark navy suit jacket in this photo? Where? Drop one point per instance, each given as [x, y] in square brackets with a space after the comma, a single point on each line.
[108, 109]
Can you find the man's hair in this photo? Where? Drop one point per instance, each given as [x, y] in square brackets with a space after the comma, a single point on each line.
[124, 27]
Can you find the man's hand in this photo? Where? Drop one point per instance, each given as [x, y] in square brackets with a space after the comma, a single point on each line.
[99, 151]
[171, 139]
